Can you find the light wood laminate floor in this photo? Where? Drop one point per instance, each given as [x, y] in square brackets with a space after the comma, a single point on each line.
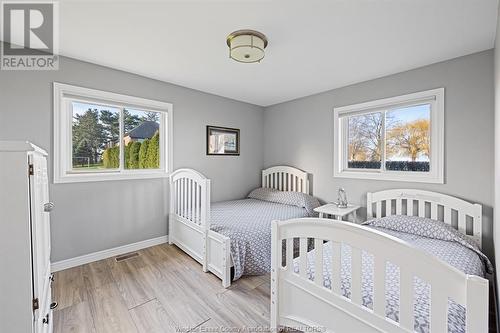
[161, 290]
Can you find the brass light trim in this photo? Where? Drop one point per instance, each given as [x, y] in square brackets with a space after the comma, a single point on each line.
[246, 32]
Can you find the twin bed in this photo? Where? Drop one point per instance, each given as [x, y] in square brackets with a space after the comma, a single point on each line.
[231, 234]
[415, 266]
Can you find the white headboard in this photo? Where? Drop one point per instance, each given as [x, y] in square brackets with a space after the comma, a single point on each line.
[453, 211]
[285, 178]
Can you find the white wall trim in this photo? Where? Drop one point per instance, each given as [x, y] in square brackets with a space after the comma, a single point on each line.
[91, 257]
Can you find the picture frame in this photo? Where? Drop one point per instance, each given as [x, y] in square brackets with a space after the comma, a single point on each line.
[223, 141]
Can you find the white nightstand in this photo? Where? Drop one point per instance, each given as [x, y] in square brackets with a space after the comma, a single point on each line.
[336, 212]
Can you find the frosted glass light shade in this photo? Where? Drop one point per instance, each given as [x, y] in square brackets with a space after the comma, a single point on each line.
[247, 46]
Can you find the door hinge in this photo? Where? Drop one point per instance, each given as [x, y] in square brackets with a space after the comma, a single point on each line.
[30, 170]
[36, 304]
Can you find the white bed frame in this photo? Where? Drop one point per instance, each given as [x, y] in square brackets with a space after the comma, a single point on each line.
[298, 302]
[189, 218]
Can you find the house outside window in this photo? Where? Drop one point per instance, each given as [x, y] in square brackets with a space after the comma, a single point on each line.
[398, 138]
[105, 136]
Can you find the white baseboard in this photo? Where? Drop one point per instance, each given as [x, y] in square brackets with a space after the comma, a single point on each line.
[91, 257]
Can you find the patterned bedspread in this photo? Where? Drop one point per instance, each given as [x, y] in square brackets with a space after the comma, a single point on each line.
[248, 223]
[453, 253]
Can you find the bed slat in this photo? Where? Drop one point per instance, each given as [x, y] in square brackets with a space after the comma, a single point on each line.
[421, 208]
[388, 207]
[447, 215]
[190, 199]
[336, 265]
[379, 209]
[439, 310]
[303, 258]
[462, 222]
[289, 254]
[196, 210]
[318, 262]
[356, 282]
[409, 207]
[434, 211]
[405, 299]
[379, 286]
[183, 213]
[399, 204]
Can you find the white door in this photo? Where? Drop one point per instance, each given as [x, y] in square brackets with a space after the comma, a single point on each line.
[40, 237]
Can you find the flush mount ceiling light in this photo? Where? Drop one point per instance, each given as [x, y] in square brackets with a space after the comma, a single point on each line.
[246, 45]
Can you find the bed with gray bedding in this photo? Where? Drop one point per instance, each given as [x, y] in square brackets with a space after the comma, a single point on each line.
[433, 237]
[247, 223]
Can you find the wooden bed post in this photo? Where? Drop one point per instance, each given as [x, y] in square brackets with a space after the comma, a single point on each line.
[275, 259]
[170, 209]
[226, 263]
[478, 224]
[369, 206]
[205, 220]
[477, 308]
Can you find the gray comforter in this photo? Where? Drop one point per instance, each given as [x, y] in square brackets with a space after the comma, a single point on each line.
[248, 223]
[442, 242]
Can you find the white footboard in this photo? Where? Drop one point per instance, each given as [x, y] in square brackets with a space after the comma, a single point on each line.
[298, 302]
[189, 213]
[189, 224]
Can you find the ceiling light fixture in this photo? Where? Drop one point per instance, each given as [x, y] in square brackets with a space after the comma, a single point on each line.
[246, 45]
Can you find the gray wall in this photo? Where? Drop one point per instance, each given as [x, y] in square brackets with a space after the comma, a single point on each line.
[299, 132]
[99, 215]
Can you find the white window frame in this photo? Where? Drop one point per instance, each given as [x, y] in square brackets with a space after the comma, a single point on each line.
[434, 97]
[64, 94]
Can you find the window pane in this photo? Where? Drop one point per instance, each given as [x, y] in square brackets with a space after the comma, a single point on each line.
[95, 136]
[141, 139]
[365, 141]
[408, 138]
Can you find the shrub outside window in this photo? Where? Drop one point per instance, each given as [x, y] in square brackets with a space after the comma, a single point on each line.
[399, 138]
[104, 136]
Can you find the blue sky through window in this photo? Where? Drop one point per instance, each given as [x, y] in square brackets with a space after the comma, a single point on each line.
[411, 113]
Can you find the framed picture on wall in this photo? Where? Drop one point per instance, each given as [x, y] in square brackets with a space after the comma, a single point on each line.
[223, 141]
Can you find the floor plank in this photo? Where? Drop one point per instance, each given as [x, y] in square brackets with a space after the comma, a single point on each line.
[152, 317]
[96, 274]
[182, 301]
[130, 281]
[75, 319]
[108, 310]
[69, 288]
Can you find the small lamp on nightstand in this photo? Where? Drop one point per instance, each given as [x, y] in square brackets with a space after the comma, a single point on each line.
[341, 198]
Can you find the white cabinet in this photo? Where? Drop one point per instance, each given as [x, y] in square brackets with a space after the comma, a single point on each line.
[25, 278]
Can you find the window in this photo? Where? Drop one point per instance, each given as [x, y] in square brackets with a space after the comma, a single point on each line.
[104, 136]
[399, 138]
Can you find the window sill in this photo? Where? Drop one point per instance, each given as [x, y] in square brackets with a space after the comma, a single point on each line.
[413, 177]
[107, 176]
